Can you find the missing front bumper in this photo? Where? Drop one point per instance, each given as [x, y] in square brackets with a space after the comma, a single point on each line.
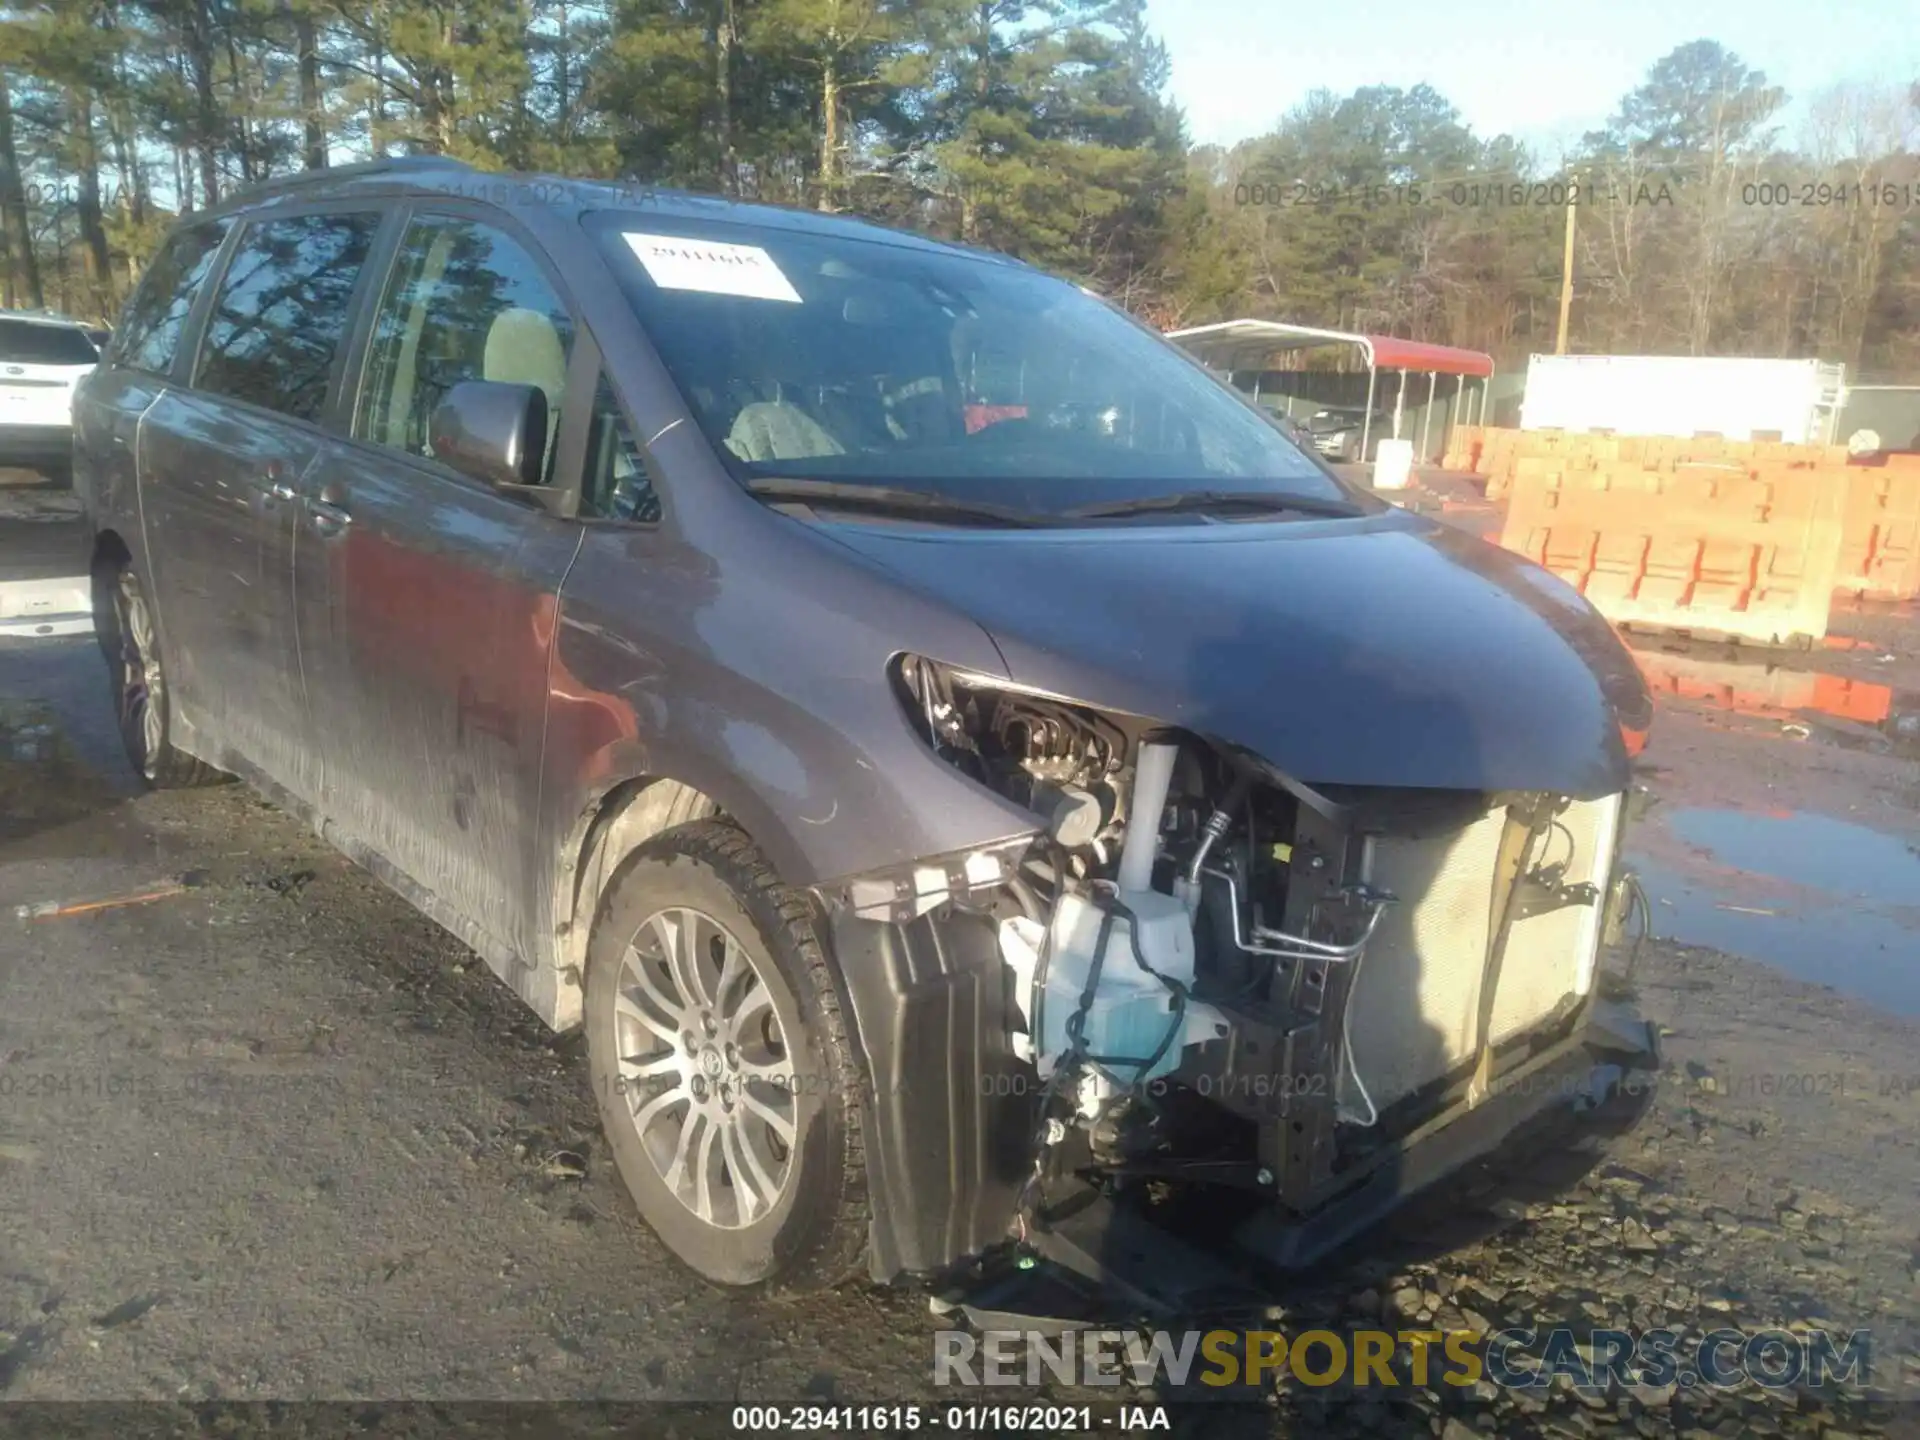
[1607, 1064]
[1103, 1258]
[1481, 1016]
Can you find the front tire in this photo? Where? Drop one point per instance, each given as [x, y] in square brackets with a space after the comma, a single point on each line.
[123, 620]
[720, 1058]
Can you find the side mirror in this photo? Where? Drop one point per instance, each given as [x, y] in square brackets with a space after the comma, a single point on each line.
[493, 431]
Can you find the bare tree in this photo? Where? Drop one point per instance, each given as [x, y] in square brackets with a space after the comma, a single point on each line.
[23, 273]
[1858, 137]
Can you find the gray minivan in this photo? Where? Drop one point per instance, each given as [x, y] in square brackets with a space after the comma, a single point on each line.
[956, 758]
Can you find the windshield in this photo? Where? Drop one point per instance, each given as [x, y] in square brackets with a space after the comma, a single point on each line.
[24, 342]
[828, 358]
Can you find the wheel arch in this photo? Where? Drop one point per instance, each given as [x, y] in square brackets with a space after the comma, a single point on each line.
[621, 818]
[934, 1202]
[635, 793]
[110, 552]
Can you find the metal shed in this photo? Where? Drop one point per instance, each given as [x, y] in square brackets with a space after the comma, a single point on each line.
[1246, 344]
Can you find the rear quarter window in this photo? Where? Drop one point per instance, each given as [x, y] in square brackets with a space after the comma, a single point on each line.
[23, 342]
[149, 333]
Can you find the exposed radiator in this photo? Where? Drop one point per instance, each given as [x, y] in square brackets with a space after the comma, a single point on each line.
[1413, 1012]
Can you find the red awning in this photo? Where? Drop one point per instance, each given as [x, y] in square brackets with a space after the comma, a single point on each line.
[1392, 353]
[1250, 344]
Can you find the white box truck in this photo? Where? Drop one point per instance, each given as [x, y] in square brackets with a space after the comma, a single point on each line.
[1684, 395]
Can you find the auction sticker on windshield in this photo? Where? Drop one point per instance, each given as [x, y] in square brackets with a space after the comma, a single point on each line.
[674, 263]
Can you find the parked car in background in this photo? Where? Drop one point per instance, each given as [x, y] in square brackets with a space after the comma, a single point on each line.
[940, 743]
[1273, 403]
[42, 358]
[1296, 430]
[1337, 431]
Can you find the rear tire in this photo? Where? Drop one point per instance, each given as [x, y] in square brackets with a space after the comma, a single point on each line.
[721, 1061]
[123, 620]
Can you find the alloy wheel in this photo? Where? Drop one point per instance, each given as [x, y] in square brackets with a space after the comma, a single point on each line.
[142, 686]
[704, 1067]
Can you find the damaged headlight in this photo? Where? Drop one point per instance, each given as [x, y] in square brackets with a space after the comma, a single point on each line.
[1104, 974]
[906, 892]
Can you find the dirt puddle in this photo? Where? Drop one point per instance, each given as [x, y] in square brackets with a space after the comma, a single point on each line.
[43, 781]
[1825, 900]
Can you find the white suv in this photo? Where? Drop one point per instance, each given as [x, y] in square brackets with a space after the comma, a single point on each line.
[42, 359]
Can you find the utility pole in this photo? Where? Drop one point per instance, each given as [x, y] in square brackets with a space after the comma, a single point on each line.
[1566, 269]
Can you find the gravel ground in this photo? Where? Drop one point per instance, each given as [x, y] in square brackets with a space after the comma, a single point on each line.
[41, 536]
[279, 1137]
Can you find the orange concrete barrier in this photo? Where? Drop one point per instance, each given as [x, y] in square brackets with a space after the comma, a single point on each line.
[1708, 549]
[1502, 450]
[1780, 450]
[1866, 701]
[1499, 449]
[1880, 533]
[1463, 448]
[1880, 503]
[1661, 452]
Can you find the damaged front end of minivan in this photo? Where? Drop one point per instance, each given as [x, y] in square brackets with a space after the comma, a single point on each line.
[1201, 974]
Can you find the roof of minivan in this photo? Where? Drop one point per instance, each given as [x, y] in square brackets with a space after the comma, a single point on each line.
[437, 175]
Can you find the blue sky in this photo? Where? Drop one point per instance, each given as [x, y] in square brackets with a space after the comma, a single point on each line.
[1542, 70]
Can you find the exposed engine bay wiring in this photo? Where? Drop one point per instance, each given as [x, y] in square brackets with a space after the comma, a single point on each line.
[1637, 905]
[1187, 856]
[1346, 1055]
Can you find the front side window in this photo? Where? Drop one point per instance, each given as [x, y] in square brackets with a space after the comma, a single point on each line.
[149, 335]
[617, 485]
[465, 302]
[282, 311]
[818, 356]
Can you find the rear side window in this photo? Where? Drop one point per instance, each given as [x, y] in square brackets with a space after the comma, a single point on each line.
[24, 343]
[282, 311]
[149, 335]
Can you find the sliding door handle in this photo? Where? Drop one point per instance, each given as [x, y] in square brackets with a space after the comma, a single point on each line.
[273, 485]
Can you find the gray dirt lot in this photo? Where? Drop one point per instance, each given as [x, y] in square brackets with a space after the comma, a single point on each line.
[278, 1136]
[41, 536]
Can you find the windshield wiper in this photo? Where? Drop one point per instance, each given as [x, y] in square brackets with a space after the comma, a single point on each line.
[890, 498]
[1201, 500]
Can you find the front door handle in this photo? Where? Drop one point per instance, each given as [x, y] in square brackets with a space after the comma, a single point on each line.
[328, 510]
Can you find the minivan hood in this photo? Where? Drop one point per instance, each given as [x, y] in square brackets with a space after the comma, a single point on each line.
[1388, 650]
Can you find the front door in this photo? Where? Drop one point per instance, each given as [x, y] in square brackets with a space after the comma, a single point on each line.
[221, 466]
[426, 598]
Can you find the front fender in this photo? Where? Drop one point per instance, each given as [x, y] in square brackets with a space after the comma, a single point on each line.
[762, 680]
